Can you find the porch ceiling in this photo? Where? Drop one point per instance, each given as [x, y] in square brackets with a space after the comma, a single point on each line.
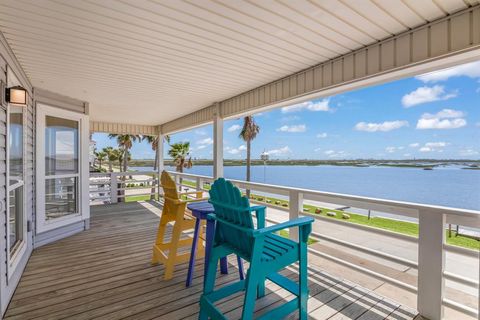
[148, 62]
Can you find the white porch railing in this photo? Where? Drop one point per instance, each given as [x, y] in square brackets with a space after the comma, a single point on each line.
[113, 187]
[431, 241]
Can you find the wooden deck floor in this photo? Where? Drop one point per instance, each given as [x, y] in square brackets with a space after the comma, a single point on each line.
[105, 273]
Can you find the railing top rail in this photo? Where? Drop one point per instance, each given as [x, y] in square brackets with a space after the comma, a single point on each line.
[341, 198]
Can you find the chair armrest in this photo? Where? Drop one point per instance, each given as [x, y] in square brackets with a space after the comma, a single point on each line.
[299, 222]
[194, 200]
[260, 214]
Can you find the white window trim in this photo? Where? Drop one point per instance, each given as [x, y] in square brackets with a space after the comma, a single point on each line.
[21, 247]
[42, 225]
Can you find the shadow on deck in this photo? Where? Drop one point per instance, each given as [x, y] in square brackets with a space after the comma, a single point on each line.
[105, 273]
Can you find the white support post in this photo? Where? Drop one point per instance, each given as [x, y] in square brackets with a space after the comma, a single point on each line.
[217, 144]
[160, 161]
[295, 203]
[431, 264]
[113, 187]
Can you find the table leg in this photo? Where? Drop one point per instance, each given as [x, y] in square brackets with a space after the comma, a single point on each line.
[191, 264]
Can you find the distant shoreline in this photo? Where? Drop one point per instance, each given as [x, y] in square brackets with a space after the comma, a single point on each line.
[421, 163]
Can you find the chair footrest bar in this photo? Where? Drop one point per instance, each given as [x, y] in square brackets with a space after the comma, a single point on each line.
[210, 309]
[225, 291]
[285, 283]
[282, 311]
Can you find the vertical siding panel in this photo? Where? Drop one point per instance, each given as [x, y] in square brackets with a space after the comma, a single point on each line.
[402, 50]
[420, 45]
[261, 96]
[318, 77]
[387, 55]
[309, 80]
[476, 26]
[337, 72]
[361, 64]
[285, 88]
[327, 74]
[292, 81]
[438, 40]
[373, 60]
[301, 83]
[348, 68]
[460, 32]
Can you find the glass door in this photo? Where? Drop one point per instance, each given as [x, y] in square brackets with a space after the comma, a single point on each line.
[59, 150]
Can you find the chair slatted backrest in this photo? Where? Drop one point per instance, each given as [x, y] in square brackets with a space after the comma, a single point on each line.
[170, 192]
[230, 206]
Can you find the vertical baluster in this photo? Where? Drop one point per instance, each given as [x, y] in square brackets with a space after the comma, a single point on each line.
[295, 201]
[431, 264]
[113, 188]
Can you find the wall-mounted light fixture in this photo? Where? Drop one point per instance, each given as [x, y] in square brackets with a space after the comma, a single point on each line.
[16, 95]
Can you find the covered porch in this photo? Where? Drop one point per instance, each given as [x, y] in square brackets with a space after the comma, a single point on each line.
[160, 67]
[105, 273]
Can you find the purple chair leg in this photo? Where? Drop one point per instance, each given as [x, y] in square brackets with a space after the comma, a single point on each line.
[240, 268]
[191, 264]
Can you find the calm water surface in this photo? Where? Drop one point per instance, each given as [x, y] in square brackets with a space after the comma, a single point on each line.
[447, 186]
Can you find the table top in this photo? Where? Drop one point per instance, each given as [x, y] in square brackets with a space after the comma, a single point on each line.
[201, 208]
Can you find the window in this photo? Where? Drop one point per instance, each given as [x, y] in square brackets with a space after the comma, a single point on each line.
[16, 229]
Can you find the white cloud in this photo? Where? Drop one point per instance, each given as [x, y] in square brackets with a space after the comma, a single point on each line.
[426, 94]
[407, 155]
[234, 127]
[444, 119]
[433, 146]
[393, 149]
[471, 70]
[235, 150]
[280, 151]
[322, 105]
[294, 128]
[322, 135]
[445, 113]
[205, 141]
[200, 132]
[414, 145]
[468, 152]
[436, 144]
[200, 147]
[335, 154]
[385, 126]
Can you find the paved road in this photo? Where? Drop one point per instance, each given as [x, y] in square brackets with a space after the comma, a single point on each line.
[466, 266]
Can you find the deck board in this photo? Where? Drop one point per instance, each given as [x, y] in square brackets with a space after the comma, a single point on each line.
[105, 273]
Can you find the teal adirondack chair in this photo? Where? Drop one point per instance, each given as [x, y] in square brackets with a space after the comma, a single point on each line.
[266, 251]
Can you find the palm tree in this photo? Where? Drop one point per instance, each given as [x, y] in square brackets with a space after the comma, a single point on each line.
[101, 156]
[125, 142]
[112, 155]
[179, 152]
[249, 132]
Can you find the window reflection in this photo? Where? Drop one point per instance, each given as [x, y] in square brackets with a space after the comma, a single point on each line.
[15, 217]
[15, 145]
[60, 197]
[61, 146]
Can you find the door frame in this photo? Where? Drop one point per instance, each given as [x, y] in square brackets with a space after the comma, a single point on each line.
[83, 213]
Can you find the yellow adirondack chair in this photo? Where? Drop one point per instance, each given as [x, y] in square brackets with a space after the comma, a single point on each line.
[174, 211]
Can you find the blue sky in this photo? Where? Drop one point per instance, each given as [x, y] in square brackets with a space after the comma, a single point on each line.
[436, 116]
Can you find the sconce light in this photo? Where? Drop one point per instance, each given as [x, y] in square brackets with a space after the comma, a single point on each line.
[16, 95]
